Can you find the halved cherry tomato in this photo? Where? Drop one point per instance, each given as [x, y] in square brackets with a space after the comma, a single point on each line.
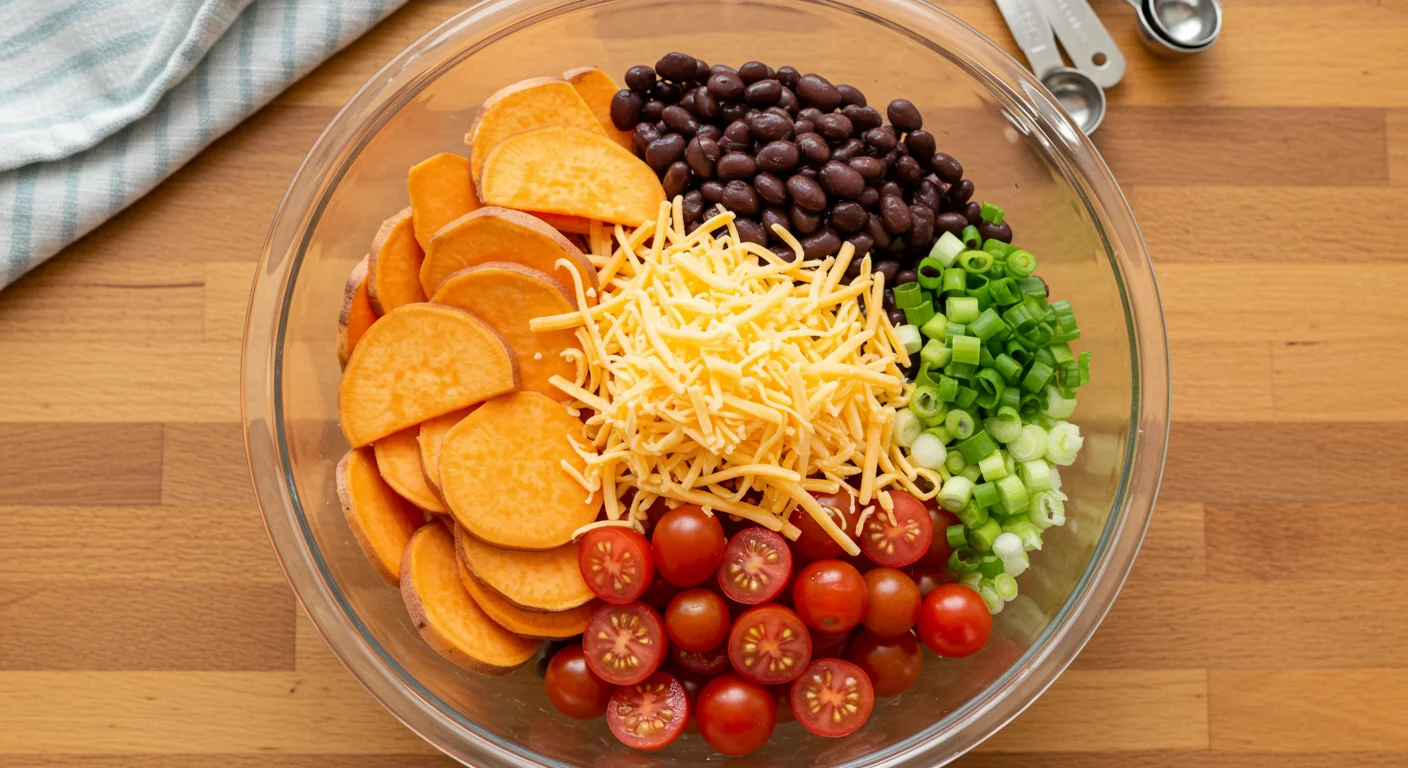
[954, 621]
[756, 565]
[832, 698]
[892, 602]
[939, 519]
[736, 716]
[929, 576]
[769, 645]
[829, 595]
[573, 688]
[901, 542]
[893, 664]
[648, 714]
[813, 543]
[688, 545]
[828, 644]
[624, 644]
[616, 563]
[697, 620]
[707, 663]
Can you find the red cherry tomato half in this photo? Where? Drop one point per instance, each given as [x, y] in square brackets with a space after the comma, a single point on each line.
[828, 644]
[736, 716]
[829, 595]
[929, 576]
[954, 621]
[688, 545]
[573, 688]
[939, 519]
[832, 698]
[708, 663]
[901, 541]
[769, 645]
[893, 664]
[616, 563]
[697, 620]
[892, 602]
[649, 714]
[814, 543]
[756, 565]
[624, 644]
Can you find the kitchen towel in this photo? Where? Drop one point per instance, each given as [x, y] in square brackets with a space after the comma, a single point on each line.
[100, 100]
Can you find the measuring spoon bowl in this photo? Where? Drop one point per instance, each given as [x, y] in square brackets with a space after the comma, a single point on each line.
[1082, 99]
[1178, 27]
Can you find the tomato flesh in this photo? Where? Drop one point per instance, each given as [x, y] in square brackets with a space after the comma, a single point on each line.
[893, 664]
[573, 688]
[707, 663]
[954, 621]
[829, 595]
[901, 542]
[624, 644]
[814, 543]
[756, 565]
[892, 602]
[616, 564]
[769, 645]
[736, 716]
[688, 545]
[649, 714]
[697, 620]
[832, 698]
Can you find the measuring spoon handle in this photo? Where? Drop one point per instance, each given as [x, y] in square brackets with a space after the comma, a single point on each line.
[1033, 34]
[1086, 40]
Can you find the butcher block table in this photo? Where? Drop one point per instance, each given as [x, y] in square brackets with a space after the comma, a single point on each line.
[145, 622]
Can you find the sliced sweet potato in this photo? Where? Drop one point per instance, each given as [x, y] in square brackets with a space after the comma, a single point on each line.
[534, 581]
[394, 268]
[596, 88]
[398, 459]
[546, 625]
[381, 521]
[499, 234]
[508, 296]
[448, 618]
[432, 436]
[573, 225]
[527, 104]
[357, 314]
[441, 191]
[566, 170]
[501, 473]
[416, 363]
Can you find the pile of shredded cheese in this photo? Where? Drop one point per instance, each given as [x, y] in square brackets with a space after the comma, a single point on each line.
[718, 374]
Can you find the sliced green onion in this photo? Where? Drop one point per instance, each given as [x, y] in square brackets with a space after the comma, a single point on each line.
[937, 419]
[1005, 585]
[990, 386]
[989, 594]
[985, 359]
[1045, 357]
[1058, 407]
[935, 353]
[982, 537]
[1037, 377]
[925, 376]
[1028, 533]
[909, 338]
[987, 324]
[1011, 398]
[1013, 494]
[1030, 445]
[981, 294]
[1031, 405]
[977, 447]
[964, 559]
[1083, 365]
[971, 237]
[997, 248]
[961, 424]
[1008, 547]
[959, 370]
[1009, 368]
[957, 535]
[926, 451]
[936, 328]
[961, 309]
[952, 329]
[1063, 442]
[931, 273]
[971, 579]
[1021, 263]
[956, 492]
[925, 402]
[1061, 352]
[985, 495]
[944, 474]
[976, 262]
[966, 349]
[1003, 290]
[1065, 337]
[1005, 426]
[907, 428]
[1035, 474]
[1055, 479]
[908, 295]
[1031, 286]
[991, 214]
[973, 473]
[947, 248]
[1047, 510]
[954, 461]
[919, 315]
[942, 433]
[972, 515]
[993, 467]
[989, 566]
[954, 283]
[1065, 316]
[948, 388]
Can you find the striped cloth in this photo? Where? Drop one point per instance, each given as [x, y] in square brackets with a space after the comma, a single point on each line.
[100, 100]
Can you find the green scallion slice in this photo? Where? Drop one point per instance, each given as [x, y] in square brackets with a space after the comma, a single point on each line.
[910, 338]
[985, 495]
[947, 248]
[907, 428]
[960, 423]
[957, 535]
[954, 495]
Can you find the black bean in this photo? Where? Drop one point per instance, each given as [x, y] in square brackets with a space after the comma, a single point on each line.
[889, 301]
[660, 124]
[848, 216]
[713, 191]
[651, 111]
[816, 91]
[904, 115]
[736, 138]
[703, 105]
[841, 180]
[897, 245]
[675, 179]
[848, 149]
[908, 172]
[769, 126]
[741, 198]
[666, 92]
[754, 71]
[897, 316]
[804, 126]
[889, 268]
[701, 71]
[687, 100]
[973, 213]
[890, 188]
[1001, 232]
[947, 168]
[679, 119]
[834, 126]
[850, 95]
[788, 76]
[642, 136]
[770, 188]
[717, 68]
[640, 78]
[693, 204]
[725, 85]
[809, 113]
[807, 170]
[927, 195]
[625, 110]
[779, 111]
[950, 222]
[763, 93]
[664, 151]
[804, 222]
[820, 244]
[774, 214]
[921, 226]
[868, 167]
[750, 231]
[779, 156]
[882, 138]
[709, 132]
[732, 111]
[813, 147]
[961, 192]
[894, 214]
[862, 243]
[701, 154]
[676, 67]
[906, 276]
[876, 229]
[862, 117]
[788, 101]
[869, 198]
[920, 144]
[736, 166]
[806, 193]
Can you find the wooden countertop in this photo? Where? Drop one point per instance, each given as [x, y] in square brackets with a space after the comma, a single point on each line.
[144, 621]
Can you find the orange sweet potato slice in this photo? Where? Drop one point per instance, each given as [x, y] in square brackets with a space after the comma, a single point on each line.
[545, 625]
[596, 88]
[398, 458]
[432, 436]
[502, 475]
[508, 296]
[531, 103]
[499, 234]
[381, 521]
[418, 362]
[357, 314]
[448, 618]
[441, 190]
[534, 581]
[394, 268]
[566, 170]
[573, 225]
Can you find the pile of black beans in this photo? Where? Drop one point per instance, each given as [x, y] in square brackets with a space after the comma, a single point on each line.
[781, 147]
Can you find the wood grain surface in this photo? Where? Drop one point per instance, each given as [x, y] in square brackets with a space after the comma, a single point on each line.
[144, 621]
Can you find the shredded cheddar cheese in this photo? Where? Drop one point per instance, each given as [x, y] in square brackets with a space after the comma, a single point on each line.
[718, 374]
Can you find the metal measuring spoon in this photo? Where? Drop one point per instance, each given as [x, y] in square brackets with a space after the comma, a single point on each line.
[1086, 40]
[1082, 99]
[1178, 27]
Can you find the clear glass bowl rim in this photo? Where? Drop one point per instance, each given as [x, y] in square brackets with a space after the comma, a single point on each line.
[1029, 107]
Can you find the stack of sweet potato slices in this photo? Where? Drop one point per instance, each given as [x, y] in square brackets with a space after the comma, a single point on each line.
[456, 486]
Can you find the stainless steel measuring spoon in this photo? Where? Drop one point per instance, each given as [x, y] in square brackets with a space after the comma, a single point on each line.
[1082, 99]
[1086, 40]
[1178, 27]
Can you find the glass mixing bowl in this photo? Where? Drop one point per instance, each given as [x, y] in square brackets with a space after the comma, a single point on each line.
[1014, 142]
